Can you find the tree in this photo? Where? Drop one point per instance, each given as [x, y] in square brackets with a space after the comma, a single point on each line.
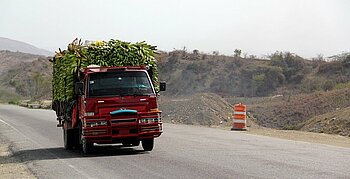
[257, 81]
[237, 53]
[319, 57]
[39, 86]
[216, 53]
[252, 56]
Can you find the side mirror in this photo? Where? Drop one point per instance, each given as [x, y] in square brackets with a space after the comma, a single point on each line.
[162, 86]
[79, 88]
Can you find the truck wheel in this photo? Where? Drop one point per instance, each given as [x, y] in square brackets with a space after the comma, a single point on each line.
[68, 139]
[87, 146]
[147, 144]
[77, 144]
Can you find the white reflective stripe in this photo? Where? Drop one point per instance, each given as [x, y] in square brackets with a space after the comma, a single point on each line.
[239, 121]
[239, 112]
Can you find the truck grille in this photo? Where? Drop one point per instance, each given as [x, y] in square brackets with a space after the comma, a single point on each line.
[149, 128]
[95, 132]
[118, 121]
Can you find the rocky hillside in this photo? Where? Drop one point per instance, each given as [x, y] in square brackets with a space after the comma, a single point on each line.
[10, 59]
[284, 92]
[282, 74]
[24, 76]
[191, 73]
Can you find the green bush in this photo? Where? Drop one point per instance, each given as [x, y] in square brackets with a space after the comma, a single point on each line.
[342, 85]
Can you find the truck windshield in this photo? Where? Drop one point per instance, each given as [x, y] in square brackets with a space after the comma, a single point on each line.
[119, 83]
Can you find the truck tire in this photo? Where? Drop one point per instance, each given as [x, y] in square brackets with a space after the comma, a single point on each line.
[86, 146]
[147, 144]
[77, 144]
[68, 139]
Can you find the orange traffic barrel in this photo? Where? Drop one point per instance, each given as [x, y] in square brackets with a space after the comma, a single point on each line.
[239, 117]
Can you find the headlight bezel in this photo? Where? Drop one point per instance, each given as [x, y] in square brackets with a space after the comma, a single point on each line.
[90, 113]
[95, 123]
[149, 120]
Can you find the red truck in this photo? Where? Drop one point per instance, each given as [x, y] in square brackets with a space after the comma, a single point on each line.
[112, 105]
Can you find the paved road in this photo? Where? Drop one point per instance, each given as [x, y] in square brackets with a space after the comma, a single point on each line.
[181, 152]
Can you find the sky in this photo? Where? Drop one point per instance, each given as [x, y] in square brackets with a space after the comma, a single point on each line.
[260, 27]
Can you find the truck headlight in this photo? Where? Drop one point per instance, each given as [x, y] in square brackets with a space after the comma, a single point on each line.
[95, 123]
[103, 123]
[89, 113]
[149, 120]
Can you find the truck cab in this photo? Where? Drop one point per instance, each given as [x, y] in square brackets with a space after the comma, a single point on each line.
[115, 105]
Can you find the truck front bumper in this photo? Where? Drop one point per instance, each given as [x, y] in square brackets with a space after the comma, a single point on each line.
[116, 129]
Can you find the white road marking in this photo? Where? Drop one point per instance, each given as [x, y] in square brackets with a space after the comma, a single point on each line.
[52, 154]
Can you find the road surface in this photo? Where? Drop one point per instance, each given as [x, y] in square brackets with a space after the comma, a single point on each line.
[181, 152]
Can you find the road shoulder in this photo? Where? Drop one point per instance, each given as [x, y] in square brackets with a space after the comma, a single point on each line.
[304, 136]
[10, 166]
[321, 138]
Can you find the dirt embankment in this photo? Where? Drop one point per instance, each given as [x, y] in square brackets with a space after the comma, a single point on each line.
[320, 112]
[336, 122]
[202, 108]
[294, 112]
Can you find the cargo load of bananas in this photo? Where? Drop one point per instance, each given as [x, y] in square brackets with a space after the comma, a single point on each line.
[67, 63]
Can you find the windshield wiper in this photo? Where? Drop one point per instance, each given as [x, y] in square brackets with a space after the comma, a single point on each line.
[135, 94]
[140, 94]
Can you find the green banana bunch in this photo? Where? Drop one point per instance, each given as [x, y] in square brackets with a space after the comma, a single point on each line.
[67, 63]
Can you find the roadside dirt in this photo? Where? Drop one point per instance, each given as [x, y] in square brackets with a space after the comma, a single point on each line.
[304, 136]
[295, 112]
[216, 113]
[321, 138]
[10, 167]
[312, 137]
[207, 109]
